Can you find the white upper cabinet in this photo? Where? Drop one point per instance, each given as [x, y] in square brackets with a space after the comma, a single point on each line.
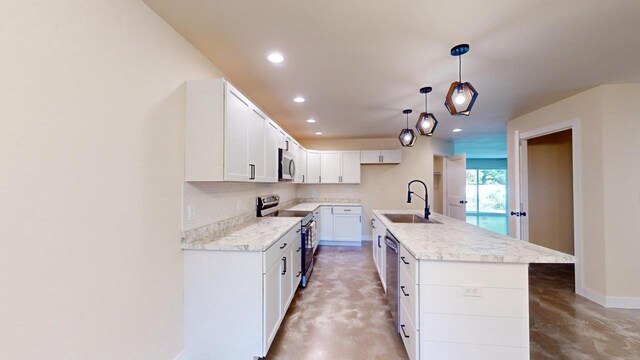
[350, 167]
[340, 167]
[381, 157]
[301, 165]
[330, 167]
[227, 138]
[313, 167]
[271, 161]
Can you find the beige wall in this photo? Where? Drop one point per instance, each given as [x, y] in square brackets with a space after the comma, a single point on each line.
[91, 147]
[611, 200]
[550, 185]
[382, 186]
[621, 175]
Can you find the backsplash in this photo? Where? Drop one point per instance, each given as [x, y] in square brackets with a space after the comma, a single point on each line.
[221, 203]
[329, 192]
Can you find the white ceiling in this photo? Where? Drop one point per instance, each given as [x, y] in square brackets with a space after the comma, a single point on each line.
[359, 63]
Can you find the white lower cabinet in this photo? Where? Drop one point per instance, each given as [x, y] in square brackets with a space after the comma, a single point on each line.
[341, 224]
[234, 301]
[379, 231]
[463, 310]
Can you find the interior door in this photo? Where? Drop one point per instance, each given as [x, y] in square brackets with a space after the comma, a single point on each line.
[350, 167]
[457, 186]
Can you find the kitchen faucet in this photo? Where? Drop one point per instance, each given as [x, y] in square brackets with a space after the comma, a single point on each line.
[425, 198]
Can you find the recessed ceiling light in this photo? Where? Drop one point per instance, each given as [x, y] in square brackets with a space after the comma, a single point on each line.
[298, 99]
[311, 121]
[275, 57]
[457, 130]
[318, 133]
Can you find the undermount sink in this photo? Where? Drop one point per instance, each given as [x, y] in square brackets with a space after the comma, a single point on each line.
[409, 219]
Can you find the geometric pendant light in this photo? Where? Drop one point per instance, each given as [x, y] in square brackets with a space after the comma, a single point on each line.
[461, 96]
[407, 136]
[427, 123]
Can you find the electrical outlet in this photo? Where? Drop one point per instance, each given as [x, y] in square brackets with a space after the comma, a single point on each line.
[191, 212]
[472, 290]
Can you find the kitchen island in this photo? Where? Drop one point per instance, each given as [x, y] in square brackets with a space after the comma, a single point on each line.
[462, 291]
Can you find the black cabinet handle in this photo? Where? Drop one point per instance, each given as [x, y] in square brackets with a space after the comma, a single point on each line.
[379, 241]
[403, 260]
[297, 231]
[284, 259]
[403, 292]
[283, 246]
[404, 333]
[302, 178]
[299, 273]
[299, 248]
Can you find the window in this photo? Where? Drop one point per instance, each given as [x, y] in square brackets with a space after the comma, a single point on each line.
[487, 199]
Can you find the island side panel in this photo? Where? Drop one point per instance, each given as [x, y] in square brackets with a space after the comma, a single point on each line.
[474, 310]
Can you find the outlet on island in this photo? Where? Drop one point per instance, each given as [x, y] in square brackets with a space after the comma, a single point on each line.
[472, 290]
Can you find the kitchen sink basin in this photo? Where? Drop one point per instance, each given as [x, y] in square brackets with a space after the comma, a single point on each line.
[409, 219]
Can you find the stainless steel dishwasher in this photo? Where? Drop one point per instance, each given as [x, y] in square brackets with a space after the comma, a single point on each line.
[391, 275]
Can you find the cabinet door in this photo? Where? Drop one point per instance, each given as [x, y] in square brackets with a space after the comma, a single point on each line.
[301, 165]
[374, 240]
[326, 226]
[296, 265]
[347, 227]
[350, 167]
[330, 167]
[256, 138]
[281, 139]
[272, 307]
[236, 157]
[271, 150]
[313, 167]
[391, 156]
[370, 157]
[285, 281]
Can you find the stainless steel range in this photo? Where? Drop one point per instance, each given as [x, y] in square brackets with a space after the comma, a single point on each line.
[266, 206]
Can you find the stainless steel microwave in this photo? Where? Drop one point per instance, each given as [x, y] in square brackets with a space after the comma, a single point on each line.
[286, 166]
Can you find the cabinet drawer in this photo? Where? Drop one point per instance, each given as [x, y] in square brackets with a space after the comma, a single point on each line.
[409, 334]
[408, 292]
[410, 264]
[274, 253]
[347, 210]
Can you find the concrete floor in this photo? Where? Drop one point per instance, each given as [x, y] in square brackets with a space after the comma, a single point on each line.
[343, 314]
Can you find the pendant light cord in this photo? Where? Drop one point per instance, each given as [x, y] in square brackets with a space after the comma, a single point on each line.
[426, 110]
[460, 68]
[407, 121]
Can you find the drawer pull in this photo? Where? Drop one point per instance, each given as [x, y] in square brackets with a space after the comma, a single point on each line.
[347, 210]
[283, 246]
[404, 333]
[299, 273]
[284, 260]
[299, 248]
[403, 292]
[298, 231]
[403, 260]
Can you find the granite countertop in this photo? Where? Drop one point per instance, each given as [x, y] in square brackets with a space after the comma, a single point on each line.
[312, 206]
[255, 235]
[455, 240]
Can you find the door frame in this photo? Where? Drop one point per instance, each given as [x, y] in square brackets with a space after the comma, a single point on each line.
[521, 186]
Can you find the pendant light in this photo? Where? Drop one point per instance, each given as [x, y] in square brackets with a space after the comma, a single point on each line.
[407, 136]
[461, 96]
[427, 123]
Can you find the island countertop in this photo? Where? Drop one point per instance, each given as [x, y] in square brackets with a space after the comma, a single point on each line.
[455, 240]
[256, 235]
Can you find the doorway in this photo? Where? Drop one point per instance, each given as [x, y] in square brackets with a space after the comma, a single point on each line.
[548, 198]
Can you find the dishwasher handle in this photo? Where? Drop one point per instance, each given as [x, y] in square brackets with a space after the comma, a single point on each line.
[391, 242]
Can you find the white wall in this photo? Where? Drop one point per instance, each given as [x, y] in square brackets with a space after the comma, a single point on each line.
[91, 147]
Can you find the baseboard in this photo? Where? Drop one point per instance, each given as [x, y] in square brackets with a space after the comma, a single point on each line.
[621, 302]
[179, 356]
[339, 243]
[613, 302]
